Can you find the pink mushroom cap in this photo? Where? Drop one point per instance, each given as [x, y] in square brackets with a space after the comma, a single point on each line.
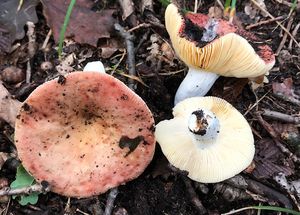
[84, 134]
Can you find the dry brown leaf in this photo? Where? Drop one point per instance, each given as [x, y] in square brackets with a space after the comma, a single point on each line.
[284, 88]
[9, 107]
[290, 134]
[270, 160]
[12, 20]
[127, 8]
[85, 26]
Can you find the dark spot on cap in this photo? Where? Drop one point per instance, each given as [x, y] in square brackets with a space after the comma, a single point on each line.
[130, 143]
[124, 97]
[26, 107]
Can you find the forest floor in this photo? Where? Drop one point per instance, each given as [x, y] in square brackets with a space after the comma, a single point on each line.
[272, 111]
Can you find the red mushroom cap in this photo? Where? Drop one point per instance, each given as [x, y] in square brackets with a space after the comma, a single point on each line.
[84, 134]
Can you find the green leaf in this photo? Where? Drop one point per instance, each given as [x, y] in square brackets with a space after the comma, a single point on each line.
[23, 179]
[30, 199]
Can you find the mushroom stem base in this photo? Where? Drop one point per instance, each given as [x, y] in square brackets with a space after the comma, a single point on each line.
[196, 83]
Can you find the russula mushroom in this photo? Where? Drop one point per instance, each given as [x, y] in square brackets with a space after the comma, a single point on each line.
[84, 134]
[208, 138]
[213, 47]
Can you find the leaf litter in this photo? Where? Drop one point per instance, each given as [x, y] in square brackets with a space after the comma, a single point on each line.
[234, 90]
[85, 26]
[12, 21]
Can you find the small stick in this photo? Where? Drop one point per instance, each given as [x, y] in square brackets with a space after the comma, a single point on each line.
[31, 48]
[269, 192]
[142, 25]
[194, 197]
[289, 25]
[220, 4]
[294, 34]
[46, 40]
[271, 16]
[265, 22]
[195, 6]
[274, 135]
[110, 201]
[40, 188]
[28, 72]
[256, 103]
[281, 116]
[130, 53]
[287, 98]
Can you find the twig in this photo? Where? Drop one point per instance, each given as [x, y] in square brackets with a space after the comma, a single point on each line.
[194, 197]
[290, 99]
[289, 25]
[256, 103]
[195, 6]
[265, 22]
[46, 40]
[31, 48]
[263, 190]
[281, 116]
[142, 25]
[40, 188]
[294, 34]
[130, 53]
[275, 137]
[271, 16]
[220, 4]
[110, 201]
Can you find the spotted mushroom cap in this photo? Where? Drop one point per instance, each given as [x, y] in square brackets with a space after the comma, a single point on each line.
[213, 160]
[84, 134]
[215, 45]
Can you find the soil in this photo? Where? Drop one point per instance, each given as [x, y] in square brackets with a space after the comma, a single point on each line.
[160, 190]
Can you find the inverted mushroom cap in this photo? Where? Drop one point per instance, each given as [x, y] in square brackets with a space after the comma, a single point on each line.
[215, 45]
[84, 134]
[208, 138]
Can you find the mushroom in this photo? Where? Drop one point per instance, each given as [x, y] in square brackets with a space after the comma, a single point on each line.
[208, 138]
[84, 134]
[213, 47]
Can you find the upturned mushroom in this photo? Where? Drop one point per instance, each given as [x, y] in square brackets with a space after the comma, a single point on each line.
[213, 47]
[208, 138]
[84, 134]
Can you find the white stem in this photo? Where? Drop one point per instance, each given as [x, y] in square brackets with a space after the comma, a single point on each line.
[196, 83]
[94, 66]
[204, 126]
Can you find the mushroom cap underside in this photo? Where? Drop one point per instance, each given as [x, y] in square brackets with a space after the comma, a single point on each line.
[85, 134]
[227, 155]
[228, 51]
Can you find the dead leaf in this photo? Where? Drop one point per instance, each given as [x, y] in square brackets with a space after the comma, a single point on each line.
[65, 67]
[290, 134]
[215, 12]
[270, 160]
[110, 46]
[285, 91]
[12, 20]
[85, 26]
[284, 88]
[9, 107]
[146, 5]
[230, 89]
[127, 8]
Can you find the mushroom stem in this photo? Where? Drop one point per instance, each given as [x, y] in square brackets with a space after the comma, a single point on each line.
[196, 83]
[94, 66]
[204, 126]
